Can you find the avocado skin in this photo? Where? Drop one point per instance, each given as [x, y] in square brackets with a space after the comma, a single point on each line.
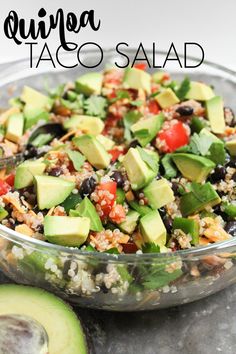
[190, 204]
[188, 226]
[193, 167]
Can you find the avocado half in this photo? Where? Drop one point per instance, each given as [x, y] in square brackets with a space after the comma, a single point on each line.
[30, 306]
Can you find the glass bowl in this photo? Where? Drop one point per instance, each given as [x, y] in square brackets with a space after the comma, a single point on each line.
[116, 282]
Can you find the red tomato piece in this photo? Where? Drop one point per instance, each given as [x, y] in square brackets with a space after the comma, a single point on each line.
[129, 247]
[10, 179]
[174, 136]
[153, 107]
[140, 66]
[4, 187]
[115, 153]
[117, 213]
[106, 192]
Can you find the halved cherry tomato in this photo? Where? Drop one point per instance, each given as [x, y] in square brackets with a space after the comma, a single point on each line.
[153, 107]
[10, 179]
[140, 66]
[115, 153]
[117, 213]
[106, 192]
[4, 187]
[174, 136]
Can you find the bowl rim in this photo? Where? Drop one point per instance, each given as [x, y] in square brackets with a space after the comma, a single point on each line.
[195, 251]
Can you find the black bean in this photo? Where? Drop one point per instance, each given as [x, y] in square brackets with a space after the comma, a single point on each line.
[175, 188]
[167, 220]
[158, 176]
[104, 289]
[218, 211]
[31, 152]
[87, 187]
[218, 174]
[134, 144]
[40, 229]
[232, 162]
[162, 212]
[229, 116]
[185, 110]
[55, 172]
[230, 227]
[118, 178]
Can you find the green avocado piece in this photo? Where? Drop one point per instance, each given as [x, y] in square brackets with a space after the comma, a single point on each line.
[64, 331]
[141, 209]
[146, 129]
[87, 209]
[192, 202]
[93, 150]
[89, 84]
[188, 226]
[137, 79]
[217, 151]
[159, 193]
[35, 98]
[3, 213]
[199, 92]
[88, 124]
[71, 201]
[52, 191]
[193, 167]
[167, 98]
[215, 114]
[153, 229]
[66, 230]
[197, 124]
[231, 147]
[26, 171]
[128, 226]
[15, 127]
[138, 171]
[33, 115]
[105, 141]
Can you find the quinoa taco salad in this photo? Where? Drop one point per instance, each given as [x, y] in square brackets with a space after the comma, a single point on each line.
[120, 162]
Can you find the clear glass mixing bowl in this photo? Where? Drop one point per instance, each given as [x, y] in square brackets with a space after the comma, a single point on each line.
[106, 281]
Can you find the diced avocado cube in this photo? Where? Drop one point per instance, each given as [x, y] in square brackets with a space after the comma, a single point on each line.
[215, 114]
[33, 115]
[52, 191]
[93, 150]
[3, 213]
[89, 84]
[87, 209]
[139, 173]
[137, 79]
[35, 98]
[153, 229]
[167, 98]
[88, 124]
[193, 167]
[15, 127]
[231, 147]
[146, 129]
[197, 124]
[106, 142]
[188, 226]
[128, 226]
[199, 91]
[66, 230]
[190, 203]
[159, 193]
[141, 209]
[26, 171]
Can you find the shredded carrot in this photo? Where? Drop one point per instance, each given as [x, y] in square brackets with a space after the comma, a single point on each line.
[67, 135]
[15, 203]
[129, 196]
[24, 229]
[50, 211]
[3, 173]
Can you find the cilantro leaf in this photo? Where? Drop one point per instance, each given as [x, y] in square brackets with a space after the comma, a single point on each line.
[142, 133]
[217, 153]
[198, 191]
[183, 89]
[160, 279]
[169, 167]
[200, 144]
[137, 103]
[148, 159]
[150, 248]
[129, 119]
[77, 159]
[95, 106]
[120, 94]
